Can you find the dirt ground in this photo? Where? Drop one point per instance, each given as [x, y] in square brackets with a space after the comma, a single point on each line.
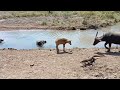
[47, 64]
[47, 23]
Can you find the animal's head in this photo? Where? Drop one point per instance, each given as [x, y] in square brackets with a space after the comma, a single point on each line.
[42, 41]
[1, 40]
[70, 42]
[45, 41]
[97, 39]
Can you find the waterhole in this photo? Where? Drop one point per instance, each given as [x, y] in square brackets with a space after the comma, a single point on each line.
[26, 39]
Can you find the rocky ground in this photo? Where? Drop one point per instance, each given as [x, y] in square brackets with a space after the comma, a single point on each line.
[47, 64]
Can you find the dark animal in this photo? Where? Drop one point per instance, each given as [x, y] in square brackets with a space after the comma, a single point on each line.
[41, 43]
[109, 38]
[1, 40]
[88, 62]
[62, 41]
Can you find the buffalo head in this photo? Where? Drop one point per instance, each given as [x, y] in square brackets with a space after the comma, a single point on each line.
[96, 40]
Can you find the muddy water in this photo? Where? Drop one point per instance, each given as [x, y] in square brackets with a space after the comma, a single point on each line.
[26, 39]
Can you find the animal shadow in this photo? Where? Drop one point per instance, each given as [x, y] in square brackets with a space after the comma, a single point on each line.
[64, 52]
[109, 53]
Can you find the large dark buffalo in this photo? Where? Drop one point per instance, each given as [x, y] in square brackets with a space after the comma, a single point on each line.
[109, 38]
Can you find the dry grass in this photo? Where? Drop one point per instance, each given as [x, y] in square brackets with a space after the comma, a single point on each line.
[63, 19]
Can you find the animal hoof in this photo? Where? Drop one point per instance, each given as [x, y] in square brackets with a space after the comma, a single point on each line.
[31, 65]
[70, 53]
[108, 51]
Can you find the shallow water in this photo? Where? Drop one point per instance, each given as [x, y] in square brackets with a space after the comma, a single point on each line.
[26, 39]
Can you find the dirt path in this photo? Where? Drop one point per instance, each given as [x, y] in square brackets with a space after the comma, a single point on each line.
[46, 64]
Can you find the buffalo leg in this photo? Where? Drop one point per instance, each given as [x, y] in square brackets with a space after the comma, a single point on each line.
[106, 46]
[109, 47]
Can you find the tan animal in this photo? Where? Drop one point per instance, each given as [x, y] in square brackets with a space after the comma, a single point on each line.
[62, 41]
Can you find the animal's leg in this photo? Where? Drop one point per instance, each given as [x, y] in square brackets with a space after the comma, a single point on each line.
[64, 47]
[57, 49]
[109, 47]
[106, 46]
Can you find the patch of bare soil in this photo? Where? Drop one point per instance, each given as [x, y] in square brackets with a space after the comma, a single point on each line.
[47, 64]
[47, 22]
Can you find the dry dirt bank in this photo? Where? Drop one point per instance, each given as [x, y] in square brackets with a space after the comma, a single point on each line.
[55, 23]
[46, 64]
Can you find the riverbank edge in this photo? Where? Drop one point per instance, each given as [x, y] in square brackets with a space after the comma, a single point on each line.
[28, 26]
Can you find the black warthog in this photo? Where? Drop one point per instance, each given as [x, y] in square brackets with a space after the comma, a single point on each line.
[41, 43]
[109, 38]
